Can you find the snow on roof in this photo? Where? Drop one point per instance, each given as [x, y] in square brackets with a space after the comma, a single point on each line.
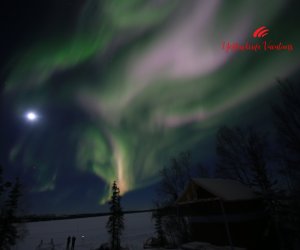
[225, 189]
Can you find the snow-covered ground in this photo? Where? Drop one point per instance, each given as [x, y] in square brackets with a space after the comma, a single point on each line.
[89, 233]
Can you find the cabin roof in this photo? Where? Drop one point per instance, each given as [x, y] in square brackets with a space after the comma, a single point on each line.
[224, 189]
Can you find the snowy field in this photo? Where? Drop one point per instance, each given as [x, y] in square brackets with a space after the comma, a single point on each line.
[89, 233]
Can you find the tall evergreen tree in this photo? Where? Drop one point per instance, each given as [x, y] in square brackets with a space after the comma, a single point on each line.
[158, 226]
[115, 224]
[9, 196]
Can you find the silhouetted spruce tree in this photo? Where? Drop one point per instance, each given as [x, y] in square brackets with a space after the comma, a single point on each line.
[158, 226]
[9, 197]
[115, 224]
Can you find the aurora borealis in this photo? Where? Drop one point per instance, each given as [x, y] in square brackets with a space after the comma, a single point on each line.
[120, 86]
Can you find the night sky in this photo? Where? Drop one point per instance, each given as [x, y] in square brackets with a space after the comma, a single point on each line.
[115, 88]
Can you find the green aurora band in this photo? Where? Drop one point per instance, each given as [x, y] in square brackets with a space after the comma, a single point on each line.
[150, 79]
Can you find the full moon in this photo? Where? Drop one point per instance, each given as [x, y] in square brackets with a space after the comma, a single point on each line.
[31, 116]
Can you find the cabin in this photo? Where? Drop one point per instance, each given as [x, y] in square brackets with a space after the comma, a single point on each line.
[223, 212]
